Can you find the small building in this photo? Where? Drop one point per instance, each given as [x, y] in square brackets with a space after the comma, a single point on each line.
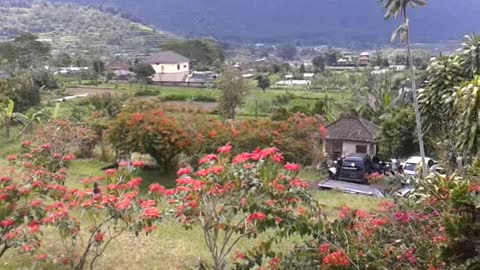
[364, 59]
[248, 75]
[350, 135]
[169, 67]
[202, 76]
[4, 74]
[294, 83]
[117, 65]
[308, 75]
[120, 70]
[398, 67]
[342, 62]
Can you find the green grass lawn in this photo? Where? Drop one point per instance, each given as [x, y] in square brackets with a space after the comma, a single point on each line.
[264, 101]
[9, 145]
[171, 246]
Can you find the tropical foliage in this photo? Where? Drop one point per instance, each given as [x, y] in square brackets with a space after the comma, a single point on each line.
[436, 228]
[449, 100]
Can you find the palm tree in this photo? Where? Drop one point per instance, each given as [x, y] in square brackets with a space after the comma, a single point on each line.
[395, 8]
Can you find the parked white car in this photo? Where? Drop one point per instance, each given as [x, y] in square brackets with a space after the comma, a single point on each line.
[412, 163]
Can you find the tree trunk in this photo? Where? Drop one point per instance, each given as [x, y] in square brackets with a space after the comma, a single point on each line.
[4, 249]
[7, 128]
[415, 102]
[219, 264]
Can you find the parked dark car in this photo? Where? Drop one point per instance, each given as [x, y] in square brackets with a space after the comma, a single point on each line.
[355, 168]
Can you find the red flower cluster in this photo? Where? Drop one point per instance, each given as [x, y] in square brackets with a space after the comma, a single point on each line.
[156, 189]
[256, 216]
[207, 158]
[151, 213]
[324, 248]
[292, 167]
[68, 157]
[240, 158]
[184, 171]
[385, 205]
[138, 164]
[474, 188]
[225, 149]
[99, 237]
[7, 223]
[375, 177]
[337, 258]
[298, 183]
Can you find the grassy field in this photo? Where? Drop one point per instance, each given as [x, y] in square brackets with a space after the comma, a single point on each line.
[264, 102]
[171, 246]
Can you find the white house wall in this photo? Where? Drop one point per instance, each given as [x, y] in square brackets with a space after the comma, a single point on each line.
[171, 68]
[351, 148]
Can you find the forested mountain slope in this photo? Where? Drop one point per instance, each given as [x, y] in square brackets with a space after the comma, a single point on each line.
[78, 29]
[319, 21]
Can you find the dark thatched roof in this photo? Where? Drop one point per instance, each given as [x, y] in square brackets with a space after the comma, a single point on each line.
[353, 129]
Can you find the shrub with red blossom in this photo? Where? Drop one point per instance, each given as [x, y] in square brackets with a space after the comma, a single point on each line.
[151, 132]
[114, 208]
[33, 196]
[435, 228]
[164, 137]
[32, 179]
[64, 137]
[299, 138]
[235, 197]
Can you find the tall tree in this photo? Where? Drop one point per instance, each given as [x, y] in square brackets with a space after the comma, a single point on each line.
[263, 82]
[98, 66]
[62, 60]
[287, 51]
[204, 53]
[400, 7]
[331, 57]
[233, 88]
[25, 51]
[301, 69]
[398, 134]
[318, 63]
[143, 71]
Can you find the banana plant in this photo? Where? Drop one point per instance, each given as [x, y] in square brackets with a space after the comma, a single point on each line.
[29, 120]
[9, 117]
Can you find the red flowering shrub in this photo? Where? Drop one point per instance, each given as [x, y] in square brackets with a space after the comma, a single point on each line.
[33, 196]
[299, 138]
[165, 137]
[35, 177]
[436, 228]
[65, 137]
[113, 208]
[151, 132]
[234, 197]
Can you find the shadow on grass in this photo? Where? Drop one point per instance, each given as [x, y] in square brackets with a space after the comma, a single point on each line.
[156, 175]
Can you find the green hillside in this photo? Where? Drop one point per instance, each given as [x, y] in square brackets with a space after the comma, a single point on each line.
[78, 29]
